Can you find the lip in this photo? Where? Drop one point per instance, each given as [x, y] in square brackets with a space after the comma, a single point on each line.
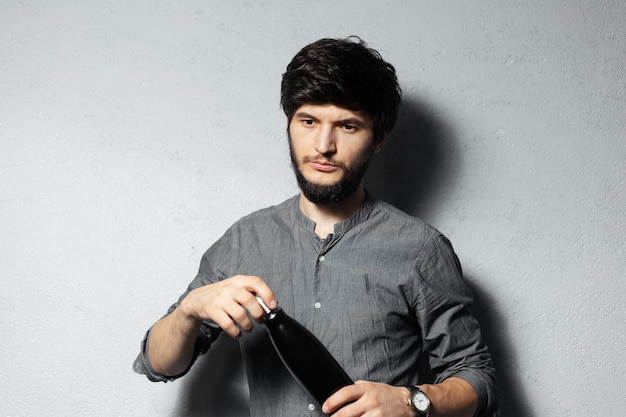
[323, 166]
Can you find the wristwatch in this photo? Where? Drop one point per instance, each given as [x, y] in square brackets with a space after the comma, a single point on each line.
[418, 401]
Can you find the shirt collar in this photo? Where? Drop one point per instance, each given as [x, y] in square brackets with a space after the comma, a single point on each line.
[342, 227]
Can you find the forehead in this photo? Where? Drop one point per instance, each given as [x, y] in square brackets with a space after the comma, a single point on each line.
[333, 113]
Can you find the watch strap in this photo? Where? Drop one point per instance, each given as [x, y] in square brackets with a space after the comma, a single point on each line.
[411, 388]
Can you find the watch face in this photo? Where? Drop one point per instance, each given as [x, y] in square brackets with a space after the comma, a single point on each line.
[420, 401]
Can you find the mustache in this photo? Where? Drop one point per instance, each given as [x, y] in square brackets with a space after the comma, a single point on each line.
[323, 160]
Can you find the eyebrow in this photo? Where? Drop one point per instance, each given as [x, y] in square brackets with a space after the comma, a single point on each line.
[347, 121]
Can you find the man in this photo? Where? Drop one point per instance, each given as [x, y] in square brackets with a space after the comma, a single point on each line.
[378, 288]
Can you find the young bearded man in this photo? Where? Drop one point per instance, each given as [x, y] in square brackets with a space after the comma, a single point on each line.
[378, 287]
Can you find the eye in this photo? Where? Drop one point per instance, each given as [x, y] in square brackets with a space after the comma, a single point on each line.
[307, 122]
[349, 128]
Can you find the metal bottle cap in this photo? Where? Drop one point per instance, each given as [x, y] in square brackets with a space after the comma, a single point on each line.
[269, 313]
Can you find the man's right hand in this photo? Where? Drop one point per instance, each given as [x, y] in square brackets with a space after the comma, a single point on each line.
[231, 303]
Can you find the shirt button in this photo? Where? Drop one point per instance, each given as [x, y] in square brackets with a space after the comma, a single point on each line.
[311, 407]
[318, 305]
[321, 258]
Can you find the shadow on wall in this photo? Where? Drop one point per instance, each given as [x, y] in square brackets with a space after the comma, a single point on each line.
[416, 154]
[405, 173]
[495, 335]
[408, 174]
[216, 385]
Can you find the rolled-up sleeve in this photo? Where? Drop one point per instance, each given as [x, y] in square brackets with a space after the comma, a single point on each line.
[451, 334]
[208, 333]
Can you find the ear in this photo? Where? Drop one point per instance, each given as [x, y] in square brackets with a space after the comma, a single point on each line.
[380, 142]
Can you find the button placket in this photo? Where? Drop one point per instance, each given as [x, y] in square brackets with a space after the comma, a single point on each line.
[320, 260]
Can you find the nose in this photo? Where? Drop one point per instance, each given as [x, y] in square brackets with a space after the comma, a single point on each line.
[325, 140]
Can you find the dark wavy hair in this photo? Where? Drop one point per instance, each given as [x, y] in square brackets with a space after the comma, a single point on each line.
[346, 73]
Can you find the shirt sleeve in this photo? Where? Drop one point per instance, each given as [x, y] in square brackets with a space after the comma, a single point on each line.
[209, 332]
[212, 269]
[451, 334]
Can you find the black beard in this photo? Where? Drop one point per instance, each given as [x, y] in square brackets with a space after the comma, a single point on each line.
[328, 195]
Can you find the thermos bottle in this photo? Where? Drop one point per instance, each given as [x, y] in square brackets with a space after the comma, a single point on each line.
[306, 358]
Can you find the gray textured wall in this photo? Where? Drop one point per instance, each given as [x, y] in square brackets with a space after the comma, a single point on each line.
[133, 133]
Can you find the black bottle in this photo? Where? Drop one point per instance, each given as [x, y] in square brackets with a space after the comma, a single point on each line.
[306, 358]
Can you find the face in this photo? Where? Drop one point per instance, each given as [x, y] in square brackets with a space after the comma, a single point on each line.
[330, 149]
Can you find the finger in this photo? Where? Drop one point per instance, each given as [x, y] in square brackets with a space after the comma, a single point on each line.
[247, 302]
[226, 323]
[345, 395]
[239, 315]
[257, 286]
[233, 318]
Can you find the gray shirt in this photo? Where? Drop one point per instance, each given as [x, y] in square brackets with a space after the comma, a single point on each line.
[380, 291]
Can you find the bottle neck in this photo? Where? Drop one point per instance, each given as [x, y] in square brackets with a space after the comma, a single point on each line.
[269, 313]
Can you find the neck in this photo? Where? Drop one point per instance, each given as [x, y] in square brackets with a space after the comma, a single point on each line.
[325, 217]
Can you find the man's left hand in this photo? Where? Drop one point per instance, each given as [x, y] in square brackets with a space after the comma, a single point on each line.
[368, 399]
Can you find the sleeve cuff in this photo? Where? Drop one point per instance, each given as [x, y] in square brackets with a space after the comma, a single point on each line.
[143, 366]
[485, 391]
